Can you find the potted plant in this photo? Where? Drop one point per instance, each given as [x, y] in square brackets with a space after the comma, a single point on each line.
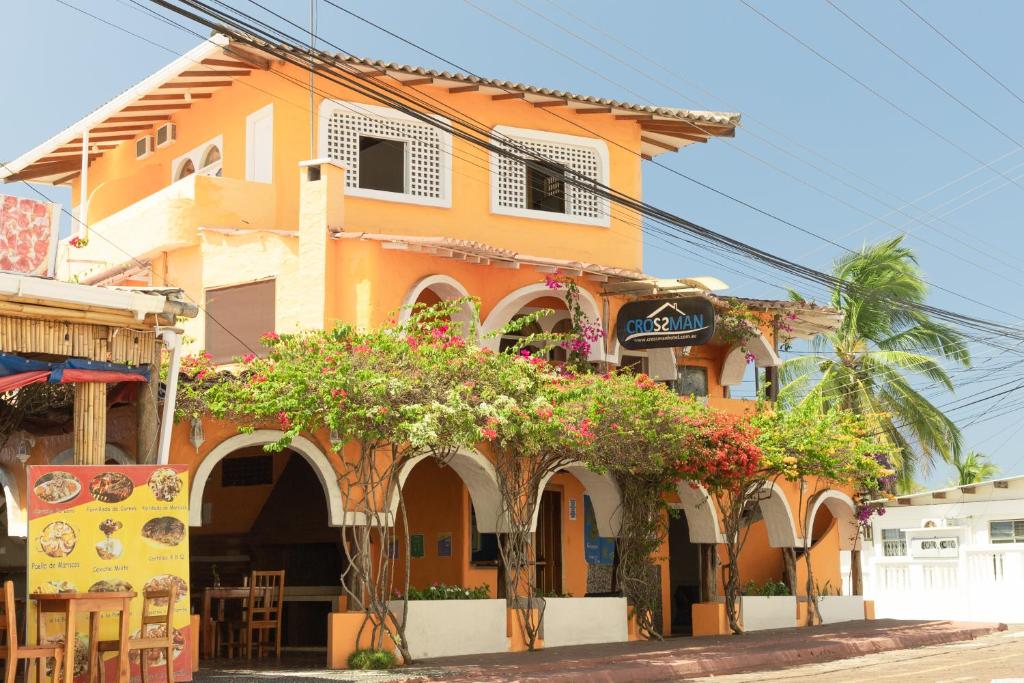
[766, 606]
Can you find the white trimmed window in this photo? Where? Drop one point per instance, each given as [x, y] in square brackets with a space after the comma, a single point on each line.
[386, 153]
[203, 160]
[539, 190]
[1006, 531]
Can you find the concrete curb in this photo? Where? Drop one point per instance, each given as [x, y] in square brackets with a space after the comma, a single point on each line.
[704, 656]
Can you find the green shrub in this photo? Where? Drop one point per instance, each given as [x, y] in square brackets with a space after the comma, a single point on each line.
[371, 659]
[440, 591]
[768, 589]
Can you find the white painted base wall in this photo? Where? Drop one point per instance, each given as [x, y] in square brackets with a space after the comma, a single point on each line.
[760, 613]
[444, 628]
[581, 621]
[837, 608]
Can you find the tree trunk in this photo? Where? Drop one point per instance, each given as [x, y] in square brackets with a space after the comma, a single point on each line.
[856, 575]
[708, 572]
[148, 418]
[789, 569]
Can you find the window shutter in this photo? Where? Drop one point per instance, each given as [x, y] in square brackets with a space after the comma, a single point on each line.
[236, 318]
[512, 191]
[424, 148]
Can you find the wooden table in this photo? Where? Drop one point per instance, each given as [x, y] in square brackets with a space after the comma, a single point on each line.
[330, 594]
[73, 604]
[209, 595]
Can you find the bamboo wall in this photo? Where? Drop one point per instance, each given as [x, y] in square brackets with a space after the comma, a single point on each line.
[103, 342]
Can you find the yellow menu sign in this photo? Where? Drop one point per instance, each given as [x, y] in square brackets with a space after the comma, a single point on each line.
[111, 528]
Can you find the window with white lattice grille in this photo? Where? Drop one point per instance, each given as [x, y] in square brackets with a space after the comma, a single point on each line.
[387, 154]
[553, 184]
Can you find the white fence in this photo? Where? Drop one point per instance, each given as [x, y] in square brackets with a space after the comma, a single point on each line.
[980, 584]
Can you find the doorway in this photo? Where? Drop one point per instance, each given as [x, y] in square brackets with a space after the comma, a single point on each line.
[549, 544]
[684, 574]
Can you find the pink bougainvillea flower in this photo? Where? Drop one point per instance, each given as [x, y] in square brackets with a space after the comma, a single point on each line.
[249, 357]
[270, 336]
[552, 282]
[489, 434]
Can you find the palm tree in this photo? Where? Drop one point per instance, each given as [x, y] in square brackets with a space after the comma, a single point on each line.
[880, 351]
[972, 468]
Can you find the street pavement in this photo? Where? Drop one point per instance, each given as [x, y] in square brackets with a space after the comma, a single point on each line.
[967, 646]
[995, 657]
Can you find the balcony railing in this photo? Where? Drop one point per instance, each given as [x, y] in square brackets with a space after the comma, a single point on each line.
[894, 548]
[171, 217]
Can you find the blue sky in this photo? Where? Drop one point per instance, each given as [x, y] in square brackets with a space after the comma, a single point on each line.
[815, 149]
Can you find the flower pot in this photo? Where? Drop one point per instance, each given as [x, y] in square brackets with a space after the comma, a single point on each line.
[759, 613]
[837, 608]
[579, 621]
[444, 628]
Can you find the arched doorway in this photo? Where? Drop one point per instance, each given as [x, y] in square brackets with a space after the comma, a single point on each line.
[253, 510]
[452, 508]
[693, 538]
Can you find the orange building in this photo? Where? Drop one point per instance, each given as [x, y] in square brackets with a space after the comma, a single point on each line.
[213, 175]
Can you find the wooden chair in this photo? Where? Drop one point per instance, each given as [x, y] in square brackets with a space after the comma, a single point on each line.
[263, 612]
[145, 641]
[33, 654]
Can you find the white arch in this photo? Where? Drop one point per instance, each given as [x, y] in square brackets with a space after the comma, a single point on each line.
[110, 452]
[701, 514]
[477, 473]
[507, 308]
[17, 516]
[604, 496]
[778, 518]
[661, 363]
[735, 364]
[843, 510]
[446, 287]
[301, 445]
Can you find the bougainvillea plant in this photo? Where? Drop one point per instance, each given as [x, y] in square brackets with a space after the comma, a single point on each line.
[724, 457]
[387, 396]
[640, 437]
[736, 324]
[585, 331]
[818, 450]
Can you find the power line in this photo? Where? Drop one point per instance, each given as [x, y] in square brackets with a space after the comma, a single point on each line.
[923, 75]
[956, 47]
[876, 93]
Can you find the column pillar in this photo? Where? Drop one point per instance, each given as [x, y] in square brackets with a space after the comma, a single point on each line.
[90, 427]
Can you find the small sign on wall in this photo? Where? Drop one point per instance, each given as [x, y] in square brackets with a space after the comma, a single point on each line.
[416, 545]
[572, 509]
[444, 545]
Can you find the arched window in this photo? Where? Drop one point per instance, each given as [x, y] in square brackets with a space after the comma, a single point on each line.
[515, 338]
[186, 169]
[211, 161]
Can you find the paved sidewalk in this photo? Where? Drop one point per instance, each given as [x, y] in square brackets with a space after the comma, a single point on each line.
[672, 660]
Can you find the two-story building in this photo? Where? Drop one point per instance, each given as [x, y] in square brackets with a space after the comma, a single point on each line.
[218, 175]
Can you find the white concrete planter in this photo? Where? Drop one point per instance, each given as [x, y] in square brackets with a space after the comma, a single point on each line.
[836, 608]
[580, 621]
[444, 628]
[758, 613]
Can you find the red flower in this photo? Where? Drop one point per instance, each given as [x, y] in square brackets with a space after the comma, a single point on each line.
[270, 336]
[284, 420]
[489, 434]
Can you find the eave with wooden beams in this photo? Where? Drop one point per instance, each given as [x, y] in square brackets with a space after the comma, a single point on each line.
[217, 62]
[193, 77]
[662, 129]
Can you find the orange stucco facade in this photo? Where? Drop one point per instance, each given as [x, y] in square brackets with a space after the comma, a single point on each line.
[304, 229]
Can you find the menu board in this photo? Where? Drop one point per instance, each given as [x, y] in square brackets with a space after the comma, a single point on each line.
[111, 528]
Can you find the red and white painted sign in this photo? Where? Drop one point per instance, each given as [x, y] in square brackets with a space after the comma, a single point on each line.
[28, 236]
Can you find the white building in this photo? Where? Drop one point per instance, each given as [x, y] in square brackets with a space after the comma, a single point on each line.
[955, 553]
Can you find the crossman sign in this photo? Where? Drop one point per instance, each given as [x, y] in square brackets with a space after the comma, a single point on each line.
[662, 323]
